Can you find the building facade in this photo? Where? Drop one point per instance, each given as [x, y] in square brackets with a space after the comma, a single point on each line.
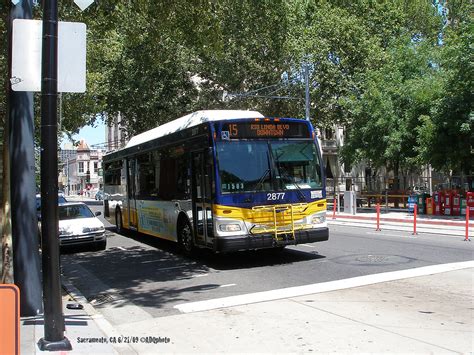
[115, 134]
[81, 170]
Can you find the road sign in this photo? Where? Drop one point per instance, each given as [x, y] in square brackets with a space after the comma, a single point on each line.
[26, 56]
[83, 4]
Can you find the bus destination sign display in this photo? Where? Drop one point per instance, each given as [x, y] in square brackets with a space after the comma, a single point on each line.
[265, 130]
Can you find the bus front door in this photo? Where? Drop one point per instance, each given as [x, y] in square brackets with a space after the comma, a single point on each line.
[202, 197]
[131, 198]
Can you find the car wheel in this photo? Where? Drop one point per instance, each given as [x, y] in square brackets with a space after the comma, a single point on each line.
[118, 221]
[185, 238]
[101, 245]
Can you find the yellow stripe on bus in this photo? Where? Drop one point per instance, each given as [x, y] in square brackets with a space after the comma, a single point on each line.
[257, 216]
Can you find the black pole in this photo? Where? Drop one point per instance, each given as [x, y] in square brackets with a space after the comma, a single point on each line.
[54, 339]
[26, 260]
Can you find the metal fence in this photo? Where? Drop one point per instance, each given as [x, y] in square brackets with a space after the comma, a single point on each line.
[393, 192]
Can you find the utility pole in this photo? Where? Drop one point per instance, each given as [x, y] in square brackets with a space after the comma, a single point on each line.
[26, 261]
[67, 176]
[54, 339]
[306, 81]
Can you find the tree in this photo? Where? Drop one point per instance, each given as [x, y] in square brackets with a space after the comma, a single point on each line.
[397, 99]
[346, 40]
[448, 138]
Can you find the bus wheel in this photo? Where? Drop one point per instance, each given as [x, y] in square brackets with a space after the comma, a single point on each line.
[185, 238]
[118, 221]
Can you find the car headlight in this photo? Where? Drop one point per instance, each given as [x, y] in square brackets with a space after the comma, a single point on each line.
[64, 231]
[92, 229]
[318, 219]
[230, 227]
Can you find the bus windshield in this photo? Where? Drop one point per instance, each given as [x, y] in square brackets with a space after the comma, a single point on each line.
[255, 166]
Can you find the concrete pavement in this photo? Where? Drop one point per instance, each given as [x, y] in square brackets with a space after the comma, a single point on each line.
[422, 310]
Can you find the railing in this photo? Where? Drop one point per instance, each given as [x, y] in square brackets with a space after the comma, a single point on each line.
[280, 220]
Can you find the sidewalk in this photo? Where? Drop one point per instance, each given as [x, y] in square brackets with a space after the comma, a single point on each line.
[403, 221]
[80, 324]
[423, 310]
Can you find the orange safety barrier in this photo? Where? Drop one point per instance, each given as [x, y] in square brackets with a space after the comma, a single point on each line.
[378, 217]
[414, 219]
[467, 225]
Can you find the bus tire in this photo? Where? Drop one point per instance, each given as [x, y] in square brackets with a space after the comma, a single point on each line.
[185, 238]
[118, 221]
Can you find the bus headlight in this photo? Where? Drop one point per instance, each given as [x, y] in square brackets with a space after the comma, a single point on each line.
[318, 219]
[229, 227]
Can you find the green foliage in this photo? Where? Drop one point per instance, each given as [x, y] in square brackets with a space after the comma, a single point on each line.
[451, 136]
[376, 67]
[397, 99]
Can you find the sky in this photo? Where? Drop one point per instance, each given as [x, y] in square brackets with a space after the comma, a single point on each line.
[92, 135]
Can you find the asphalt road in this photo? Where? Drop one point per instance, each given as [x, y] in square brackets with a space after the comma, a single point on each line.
[137, 273]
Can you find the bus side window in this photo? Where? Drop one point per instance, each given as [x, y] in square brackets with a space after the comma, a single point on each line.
[112, 173]
[156, 167]
[208, 177]
[168, 178]
[146, 176]
[183, 186]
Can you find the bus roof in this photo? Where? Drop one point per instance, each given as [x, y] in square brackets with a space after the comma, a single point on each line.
[191, 120]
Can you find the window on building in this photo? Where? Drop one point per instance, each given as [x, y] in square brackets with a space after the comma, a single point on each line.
[80, 168]
[96, 167]
[329, 133]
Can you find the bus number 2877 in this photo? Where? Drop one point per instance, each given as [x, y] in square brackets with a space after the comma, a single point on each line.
[275, 196]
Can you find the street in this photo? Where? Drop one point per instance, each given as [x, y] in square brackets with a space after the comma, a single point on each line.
[144, 277]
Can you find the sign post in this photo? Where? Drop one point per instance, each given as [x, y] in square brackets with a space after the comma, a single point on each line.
[54, 339]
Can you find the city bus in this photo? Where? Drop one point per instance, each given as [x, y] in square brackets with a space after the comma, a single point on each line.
[225, 180]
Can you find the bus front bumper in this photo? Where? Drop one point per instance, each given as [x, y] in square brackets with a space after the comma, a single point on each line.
[263, 241]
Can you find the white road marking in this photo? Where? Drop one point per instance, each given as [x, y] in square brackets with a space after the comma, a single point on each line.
[306, 245]
[320, 287]
[228, 285]
[391, 235]
[121, 248]
[200, 275]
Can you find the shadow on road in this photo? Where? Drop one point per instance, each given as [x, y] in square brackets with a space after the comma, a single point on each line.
[154, 273]
[230, 261]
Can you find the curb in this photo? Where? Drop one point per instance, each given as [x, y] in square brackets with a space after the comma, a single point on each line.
[96, 317]
[402, 220]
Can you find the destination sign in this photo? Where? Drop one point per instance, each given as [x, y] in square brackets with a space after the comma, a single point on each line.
[265, 130]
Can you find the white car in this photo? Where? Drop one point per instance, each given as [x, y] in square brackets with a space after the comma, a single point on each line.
[79, 226]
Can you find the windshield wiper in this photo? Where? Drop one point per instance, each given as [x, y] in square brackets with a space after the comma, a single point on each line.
[283, 172]
[262, 179]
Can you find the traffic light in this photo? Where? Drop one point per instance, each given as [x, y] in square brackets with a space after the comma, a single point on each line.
[88, 177]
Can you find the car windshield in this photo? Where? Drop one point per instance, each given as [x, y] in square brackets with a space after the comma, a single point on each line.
[61, 199]
[74, 211]
[246, 166]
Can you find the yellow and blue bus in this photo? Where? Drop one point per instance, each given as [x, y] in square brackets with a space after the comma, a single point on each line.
[225, 180]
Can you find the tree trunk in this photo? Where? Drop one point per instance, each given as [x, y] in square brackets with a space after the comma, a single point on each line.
[7, 257]
[396, 182]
